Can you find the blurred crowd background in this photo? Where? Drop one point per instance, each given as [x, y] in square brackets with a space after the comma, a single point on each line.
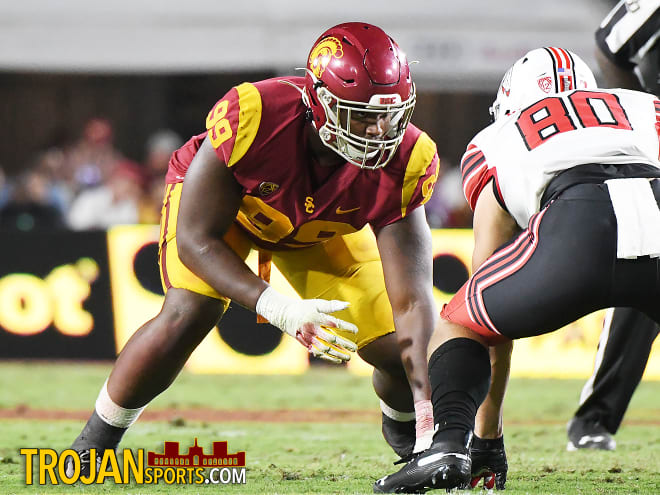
[87, 183]
[95, 99]
[90, 183]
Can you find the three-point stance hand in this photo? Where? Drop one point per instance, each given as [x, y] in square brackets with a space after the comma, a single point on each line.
[308, 321]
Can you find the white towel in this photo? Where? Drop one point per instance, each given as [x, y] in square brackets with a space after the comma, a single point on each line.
[637, 217]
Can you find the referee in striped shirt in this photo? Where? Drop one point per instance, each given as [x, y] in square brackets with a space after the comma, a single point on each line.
[628, 53]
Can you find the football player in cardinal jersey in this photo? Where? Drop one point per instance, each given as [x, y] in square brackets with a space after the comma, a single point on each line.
[325, 174]
[565, 195]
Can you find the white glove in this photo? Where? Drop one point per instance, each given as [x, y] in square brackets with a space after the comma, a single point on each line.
[308, 321]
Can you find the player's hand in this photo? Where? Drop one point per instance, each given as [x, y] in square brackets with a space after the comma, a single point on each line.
[488, 462]
[309, 322]
[323, 342]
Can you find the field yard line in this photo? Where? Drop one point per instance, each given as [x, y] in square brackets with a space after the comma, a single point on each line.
[260, 416]
[211, 415]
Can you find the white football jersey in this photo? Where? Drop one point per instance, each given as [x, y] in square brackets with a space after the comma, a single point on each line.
[525, 150]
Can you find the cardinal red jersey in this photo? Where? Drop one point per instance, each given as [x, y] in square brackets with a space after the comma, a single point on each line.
[260, 129]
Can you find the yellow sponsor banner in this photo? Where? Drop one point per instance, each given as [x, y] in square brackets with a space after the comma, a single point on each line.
[132, 304]
[569, 352]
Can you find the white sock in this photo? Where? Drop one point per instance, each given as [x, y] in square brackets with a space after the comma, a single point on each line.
[114, 414]
[396, 415]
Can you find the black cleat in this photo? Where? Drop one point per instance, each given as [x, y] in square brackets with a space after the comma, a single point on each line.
[85, 463]
[588, 434]
[443, 465]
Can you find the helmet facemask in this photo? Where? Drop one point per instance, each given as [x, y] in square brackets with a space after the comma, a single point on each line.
[360, 93]
[363, 151]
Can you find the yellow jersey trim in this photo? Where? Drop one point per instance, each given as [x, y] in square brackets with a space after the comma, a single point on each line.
[420, 160]
[249, 118]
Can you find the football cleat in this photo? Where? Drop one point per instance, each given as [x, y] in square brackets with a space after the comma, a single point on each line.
[85, 463]
[444, 465]
[588, 434]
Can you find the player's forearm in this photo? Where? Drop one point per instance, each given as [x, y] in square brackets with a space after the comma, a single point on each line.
[219, 266]
[414, 327]
[489, 416]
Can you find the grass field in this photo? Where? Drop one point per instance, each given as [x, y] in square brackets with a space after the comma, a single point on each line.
[343, 453]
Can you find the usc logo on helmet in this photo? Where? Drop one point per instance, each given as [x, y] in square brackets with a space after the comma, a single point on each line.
[322, 53]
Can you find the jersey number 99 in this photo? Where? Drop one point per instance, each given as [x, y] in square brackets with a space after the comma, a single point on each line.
[218, 125]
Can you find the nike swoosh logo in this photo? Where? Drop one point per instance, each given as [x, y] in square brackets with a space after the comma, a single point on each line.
[436, 457]
[339, 211]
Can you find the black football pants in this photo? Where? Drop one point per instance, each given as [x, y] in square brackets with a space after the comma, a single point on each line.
[573, 271]
[623, 351]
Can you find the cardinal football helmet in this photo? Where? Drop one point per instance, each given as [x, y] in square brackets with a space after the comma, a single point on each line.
[541, 72]
[356, 72]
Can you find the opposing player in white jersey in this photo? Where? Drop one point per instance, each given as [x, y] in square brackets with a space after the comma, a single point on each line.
[566, 221]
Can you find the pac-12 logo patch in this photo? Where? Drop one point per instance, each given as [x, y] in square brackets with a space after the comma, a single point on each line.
[266, 188]
[545, 83]
[322, 54]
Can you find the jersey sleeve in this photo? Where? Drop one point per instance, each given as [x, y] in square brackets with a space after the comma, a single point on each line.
[476, 174]
[421, 174]
[233, 122]
[627, 30]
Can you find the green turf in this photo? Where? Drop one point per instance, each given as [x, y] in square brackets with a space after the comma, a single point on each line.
[347, 458]
[327, 458]
[75, 386]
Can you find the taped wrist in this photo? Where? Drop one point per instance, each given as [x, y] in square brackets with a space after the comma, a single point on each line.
[272, 306]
